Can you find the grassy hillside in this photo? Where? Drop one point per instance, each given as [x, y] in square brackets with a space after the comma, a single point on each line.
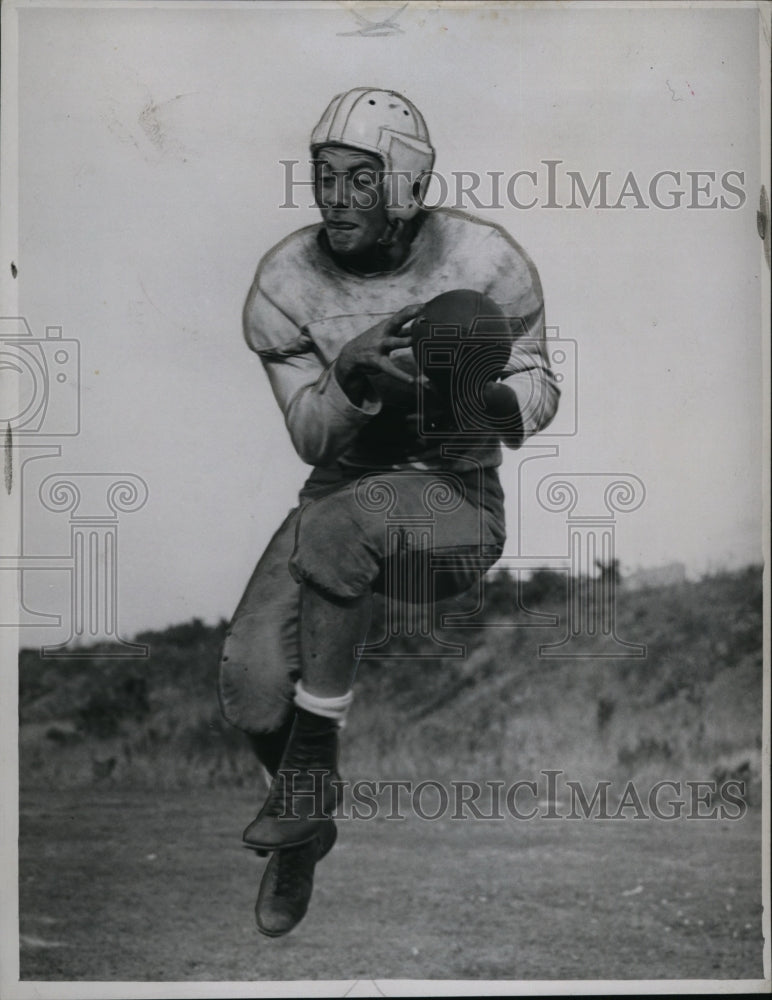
[690, 709]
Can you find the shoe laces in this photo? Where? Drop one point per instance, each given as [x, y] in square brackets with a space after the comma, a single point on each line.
[294, 869]
[291, 782]
[312, 751]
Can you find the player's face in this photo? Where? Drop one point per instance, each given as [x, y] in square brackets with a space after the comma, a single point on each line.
[349, 194]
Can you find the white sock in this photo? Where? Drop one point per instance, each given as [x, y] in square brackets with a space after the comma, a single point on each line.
[331, 708]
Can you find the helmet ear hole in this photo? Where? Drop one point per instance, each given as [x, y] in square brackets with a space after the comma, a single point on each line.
[420, 187]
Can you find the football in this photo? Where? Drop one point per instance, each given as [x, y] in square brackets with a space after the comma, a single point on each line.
[461, 340]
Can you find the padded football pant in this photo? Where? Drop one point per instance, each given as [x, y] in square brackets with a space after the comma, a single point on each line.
[413, 536]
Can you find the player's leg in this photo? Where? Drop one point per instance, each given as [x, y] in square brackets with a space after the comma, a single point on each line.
[304, 790]
[330, 629]
[343, 543]
[259, 667]
[260, 660]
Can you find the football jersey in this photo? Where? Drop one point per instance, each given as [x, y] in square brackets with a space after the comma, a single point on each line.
[303, 307]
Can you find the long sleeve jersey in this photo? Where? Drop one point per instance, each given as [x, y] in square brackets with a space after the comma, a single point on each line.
[302, 308]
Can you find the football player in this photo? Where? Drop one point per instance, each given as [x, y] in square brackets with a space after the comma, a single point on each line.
[329, 315]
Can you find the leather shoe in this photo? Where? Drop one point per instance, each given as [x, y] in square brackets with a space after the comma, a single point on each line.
[305, 790]
[287, 883]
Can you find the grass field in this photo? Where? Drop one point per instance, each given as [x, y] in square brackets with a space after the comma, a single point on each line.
[135, 793]
[155, 886]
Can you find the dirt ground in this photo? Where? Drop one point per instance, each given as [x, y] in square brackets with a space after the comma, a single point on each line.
[143, 886]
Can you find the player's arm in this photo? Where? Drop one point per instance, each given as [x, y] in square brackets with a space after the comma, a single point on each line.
[527, 382]
[321, 418]
[324, 407]
[368, 354]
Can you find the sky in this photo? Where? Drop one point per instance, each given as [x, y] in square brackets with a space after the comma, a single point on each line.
[150, 185]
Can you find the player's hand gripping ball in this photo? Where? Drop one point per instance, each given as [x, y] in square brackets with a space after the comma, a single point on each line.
[462, 342]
